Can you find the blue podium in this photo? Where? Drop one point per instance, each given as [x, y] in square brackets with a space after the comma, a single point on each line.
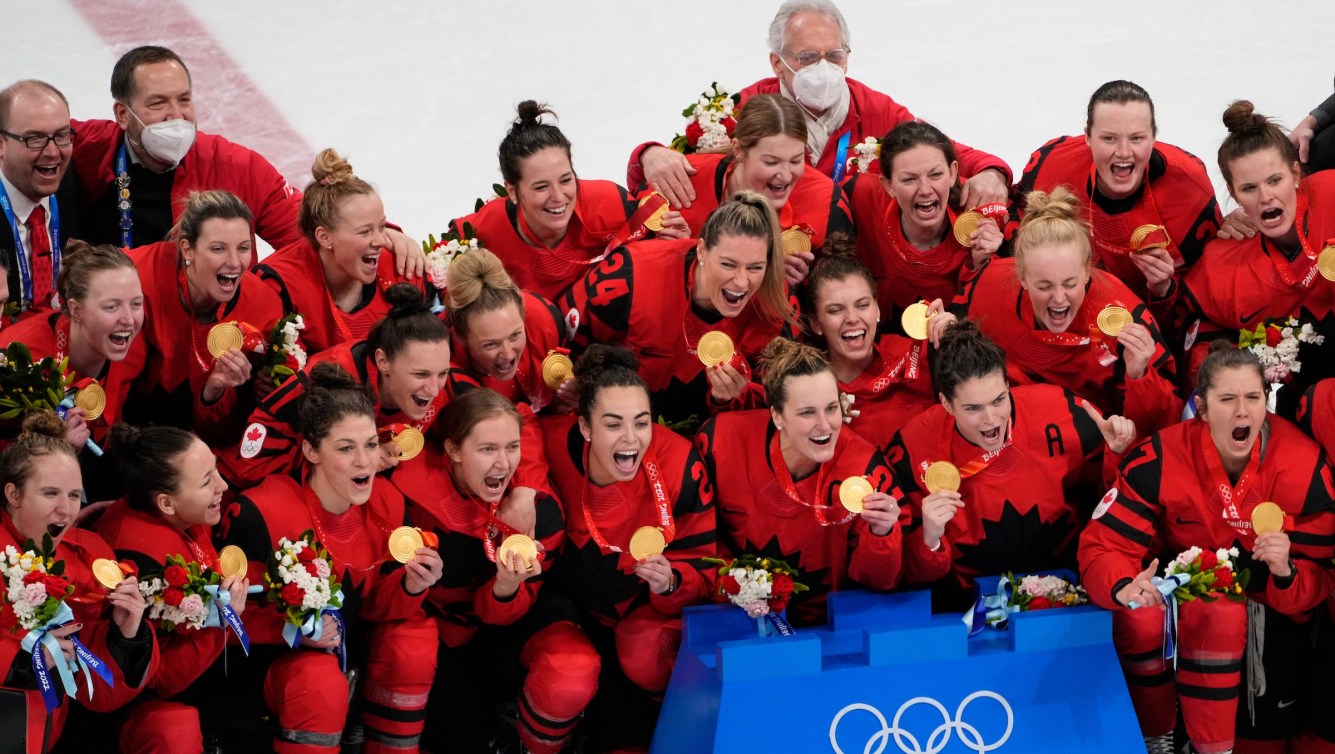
[885, 676]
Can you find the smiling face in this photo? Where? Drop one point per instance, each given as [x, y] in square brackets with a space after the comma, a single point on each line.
[352, 248]
[846, 314]
[217, 258]
[809, 422]
[36, 173]
[1267, 190]
[344, 463]
[619, 430]
[982, 409]
[415, 376]
[1121, 139]
[496, 340]
[199, 497]
[546, 193]
[50, 498]
[1055, 278]
[728, 275]
[487, 458]
[771, 167]
[108, 318]
[1234, 410]
[920, 181]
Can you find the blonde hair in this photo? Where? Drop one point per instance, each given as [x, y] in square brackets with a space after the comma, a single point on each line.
[784, 358]
[333, 183]
[1051, 219]
[43, 435]
[477, 282]
[768, 115]
[749, 215]
[202, 206]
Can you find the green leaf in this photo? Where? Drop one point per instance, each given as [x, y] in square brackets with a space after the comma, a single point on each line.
[500, 191]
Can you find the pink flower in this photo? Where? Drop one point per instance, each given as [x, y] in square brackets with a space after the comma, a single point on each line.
[322, 569]
[193, 607]
[757, 609]
[34, 594]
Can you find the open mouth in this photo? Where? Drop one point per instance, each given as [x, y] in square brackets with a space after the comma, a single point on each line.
[1058, 317]
[625, 460]
[371, 260]
[822, 440]
[504, 368]
[855, 339]
[55, 530]
[733, 298]
[420, 402]
[121, 338]
[1272, 215]
[1241, 435]
[991, 435]
[556, 212]
[1122, 170]
[926, 209]
[228, 282]
[494, 484]
[362, 482]
[779, 189]
[47, 171]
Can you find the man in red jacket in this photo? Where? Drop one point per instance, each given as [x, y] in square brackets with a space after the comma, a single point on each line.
[809, 55]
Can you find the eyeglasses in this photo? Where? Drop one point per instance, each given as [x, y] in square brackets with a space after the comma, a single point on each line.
[837, 56]
[39, 141]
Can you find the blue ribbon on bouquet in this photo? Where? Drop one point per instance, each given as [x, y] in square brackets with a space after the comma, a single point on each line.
[64, 406]
[991, 609]
[313, 628]
[221, 614]
[1166, 586]
[774, 624]
[84, 660]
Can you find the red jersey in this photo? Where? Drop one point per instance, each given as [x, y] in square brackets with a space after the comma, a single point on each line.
[762, 511]
[903, 273]
[640, 297]
[357, 542]
[671, 473]
[462, 601]
[601, 211]
[896, 387]
[815, 207]
[297, 276]
[1172, 494]
[1080, 359]
[1316, 414]
[1019, 511]
[1176, 195]
[49, 335]
[543, 334]
[146, 540]
[170, 386]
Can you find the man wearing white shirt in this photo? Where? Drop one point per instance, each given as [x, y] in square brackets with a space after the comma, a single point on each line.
[36, 142]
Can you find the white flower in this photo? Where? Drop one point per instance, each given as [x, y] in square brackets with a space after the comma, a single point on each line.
[1188, 556]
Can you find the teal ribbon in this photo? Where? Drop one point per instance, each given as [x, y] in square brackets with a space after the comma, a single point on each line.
[221, 614]
[1166, 587]
[312, 627]
[991, 609]
[84, 660]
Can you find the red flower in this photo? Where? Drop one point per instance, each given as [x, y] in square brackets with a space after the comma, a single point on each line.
[1223, 578]
[292, 594]
[781, 586]
[729, 585]
[729, 124]
[1208, 561]
[778, 604]
[176, 576]
[693, 133]
[310, 568]
[306, 555]
[55, 586]
[1273, 336]
[1040, 603]
[173, 596]
[32, 577]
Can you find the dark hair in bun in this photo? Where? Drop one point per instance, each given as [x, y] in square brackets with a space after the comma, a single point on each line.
[331, 395]
[409, 320]
[528, 136]
[604, 366]
[1250, 132]
[146, 458]
[43, 435]
[965, 353]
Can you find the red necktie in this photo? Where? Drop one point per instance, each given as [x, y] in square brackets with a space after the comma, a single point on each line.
[41, 256]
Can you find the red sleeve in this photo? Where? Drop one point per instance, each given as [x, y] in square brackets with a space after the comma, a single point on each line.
[634, 169]
[1118, 539]
[1312, 544]
[532, 471]
[921, 565]
[275, 202]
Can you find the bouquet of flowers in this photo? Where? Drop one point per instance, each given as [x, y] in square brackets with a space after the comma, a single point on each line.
[761, 587]
[1206, 575]
[178, 600]
[1044, 592]
[36, 593]
[1276, 343]
[27, 386]
[439, 254]
[867, 156]
[282, 354]
[710, 121]
[302, 583]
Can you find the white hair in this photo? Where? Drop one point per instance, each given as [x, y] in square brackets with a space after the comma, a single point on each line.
[779, 26]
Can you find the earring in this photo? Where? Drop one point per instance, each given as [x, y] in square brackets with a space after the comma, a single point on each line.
[187, 263]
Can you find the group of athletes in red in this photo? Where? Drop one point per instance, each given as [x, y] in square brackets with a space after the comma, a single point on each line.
[707, 355]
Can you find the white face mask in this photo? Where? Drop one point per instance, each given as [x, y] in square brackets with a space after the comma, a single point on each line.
[168, 141]
[817, 86]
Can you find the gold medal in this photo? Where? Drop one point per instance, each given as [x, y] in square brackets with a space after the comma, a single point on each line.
[1325, 263]
[795, 241]
[851, 492]
[646, 542]
[520, 545]
[1113, 320]
[223, 337]
[965, 225]
[410, 442]
[914, 320]
[715, 347]
[403, 543]
[654, 222]
[941, 475]
[1267, 517]
[92, 399]
[107, 572]
[232, 561]
[556, 369]
[1139, 235]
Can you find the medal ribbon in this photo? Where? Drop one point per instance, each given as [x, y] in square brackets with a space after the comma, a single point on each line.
[924, 260]
[313, 507]
[560, 251]
[908, 363]
[221, 614]
[123, 199]
[785, 479]
[495, 528]
[1304, 269]
[1231, 495]
[662, 505]
[978, 463]
[25, 272]
[1109, 233]
[634, 229]
[183, 292]
[84, 660]
[725, 326]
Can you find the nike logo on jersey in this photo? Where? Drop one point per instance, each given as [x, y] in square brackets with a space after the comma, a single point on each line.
[1250, 317]
[1289, 703]
[1183, 522]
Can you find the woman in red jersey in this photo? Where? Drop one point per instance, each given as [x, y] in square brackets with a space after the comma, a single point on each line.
[337, 275]
[905, 220]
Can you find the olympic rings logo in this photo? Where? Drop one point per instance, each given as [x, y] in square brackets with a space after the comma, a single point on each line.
[939, 738]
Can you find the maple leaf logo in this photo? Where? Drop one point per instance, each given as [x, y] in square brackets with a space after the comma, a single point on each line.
[254, 434]
[1019, 543]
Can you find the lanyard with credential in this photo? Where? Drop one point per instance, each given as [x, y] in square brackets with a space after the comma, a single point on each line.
[25, 273]
[123, 199]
